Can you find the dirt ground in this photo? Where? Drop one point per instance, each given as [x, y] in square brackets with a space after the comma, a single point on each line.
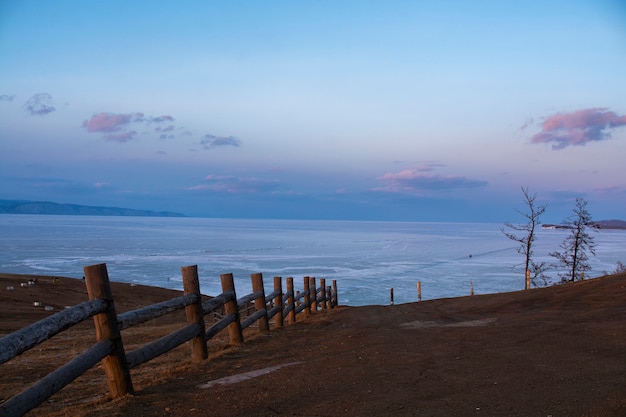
[558, 351]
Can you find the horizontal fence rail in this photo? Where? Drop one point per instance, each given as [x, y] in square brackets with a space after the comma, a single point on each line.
[257, 307]
[29, 337]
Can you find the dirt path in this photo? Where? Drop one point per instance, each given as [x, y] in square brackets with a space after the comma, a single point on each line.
[559, 351]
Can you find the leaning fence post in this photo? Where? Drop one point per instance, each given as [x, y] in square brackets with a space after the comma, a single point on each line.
[291, 301]
[278, 301]
[114, 364]
[334, 299]
[313, 291]
[259, 302]
[191, 285]
[230, 307]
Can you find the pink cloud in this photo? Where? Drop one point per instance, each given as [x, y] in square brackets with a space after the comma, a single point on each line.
[422, 179]
[578, 128]
[110, 122]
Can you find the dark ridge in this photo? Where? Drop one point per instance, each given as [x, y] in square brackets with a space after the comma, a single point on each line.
[47, 207]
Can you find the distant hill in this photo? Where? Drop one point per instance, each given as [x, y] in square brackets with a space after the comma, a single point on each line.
[611, 224]
[600, 224]
[47, 207]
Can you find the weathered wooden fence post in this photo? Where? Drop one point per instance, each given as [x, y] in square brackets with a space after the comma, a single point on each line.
[115, 365]
[313, 291]
[323, 292]
[419, 291]
[335, 297]
[230, 307]
[259, 302]
[329, 297]
[391, 296]
[191, 285]
[307, 296]
[291, 302]
[471, 288]
[278, 301]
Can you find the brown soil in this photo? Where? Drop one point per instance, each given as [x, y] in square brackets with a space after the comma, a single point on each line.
[558, 351]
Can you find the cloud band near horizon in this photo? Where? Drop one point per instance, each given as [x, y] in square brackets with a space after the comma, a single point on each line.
[422, 179]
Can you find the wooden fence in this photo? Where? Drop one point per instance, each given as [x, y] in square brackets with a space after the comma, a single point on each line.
[109, 348]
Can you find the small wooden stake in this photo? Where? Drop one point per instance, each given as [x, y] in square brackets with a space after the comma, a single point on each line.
[419, 291]
[471, 288]
[391, 295]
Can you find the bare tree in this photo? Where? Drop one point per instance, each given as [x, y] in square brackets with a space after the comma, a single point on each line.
[534, 272]
[576, 246]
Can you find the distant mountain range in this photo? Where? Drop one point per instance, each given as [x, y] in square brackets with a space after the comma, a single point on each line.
[600, 224]
[47, 207]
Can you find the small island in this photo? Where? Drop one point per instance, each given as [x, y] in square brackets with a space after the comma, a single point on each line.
[600, 224]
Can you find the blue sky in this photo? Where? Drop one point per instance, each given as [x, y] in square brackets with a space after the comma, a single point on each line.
[398, 110]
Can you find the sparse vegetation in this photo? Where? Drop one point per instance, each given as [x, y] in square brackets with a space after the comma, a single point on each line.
[534, 272]
[577, 246]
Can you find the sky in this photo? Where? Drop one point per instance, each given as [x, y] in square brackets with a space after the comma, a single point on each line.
[347, 110]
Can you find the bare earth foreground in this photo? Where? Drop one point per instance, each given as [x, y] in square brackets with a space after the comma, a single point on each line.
[559, 351]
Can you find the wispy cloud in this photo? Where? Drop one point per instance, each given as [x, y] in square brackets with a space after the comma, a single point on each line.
[211, 141]
[611, 189]
[579, 127]
[40, 104]
[422, 179]
[120, 137]
[6, 97]
[527, 123]
[164, 129]
[162, 119]
[234, 185]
